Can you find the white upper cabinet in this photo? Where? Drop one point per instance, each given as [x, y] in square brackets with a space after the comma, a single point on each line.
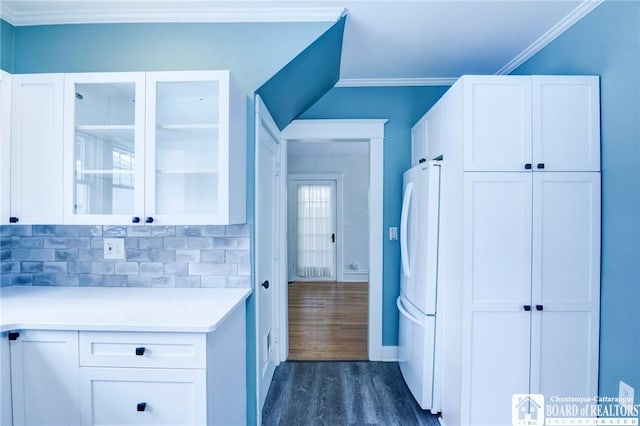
[419, 142]
[5, 151]
[566, 123]
[104, 147]
[37, 149]
[196, 148]
[158, 147]
[540, 123]
[497, 122]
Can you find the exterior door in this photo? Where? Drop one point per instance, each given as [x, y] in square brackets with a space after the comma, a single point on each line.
[312, 239]
[267, 243]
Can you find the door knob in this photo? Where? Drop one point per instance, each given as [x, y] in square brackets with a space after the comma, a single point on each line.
[265, 284]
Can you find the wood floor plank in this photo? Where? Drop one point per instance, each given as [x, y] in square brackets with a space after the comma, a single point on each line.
[342, 393]
[328, 321]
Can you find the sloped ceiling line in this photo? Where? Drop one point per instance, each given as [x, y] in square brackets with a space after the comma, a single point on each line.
[306, 78]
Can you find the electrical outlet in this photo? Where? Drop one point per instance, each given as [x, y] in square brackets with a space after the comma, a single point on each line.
[114, 248]
[626, 395]
[393, 233]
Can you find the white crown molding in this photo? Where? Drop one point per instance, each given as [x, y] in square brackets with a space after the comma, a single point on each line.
[120, 13]
[563, 25]
[396, 82]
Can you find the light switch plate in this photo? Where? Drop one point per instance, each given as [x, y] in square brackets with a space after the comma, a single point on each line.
[626, 395]
[393, 233]
[114, 248]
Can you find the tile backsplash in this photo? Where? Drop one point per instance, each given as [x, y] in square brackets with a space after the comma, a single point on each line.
[155, 256]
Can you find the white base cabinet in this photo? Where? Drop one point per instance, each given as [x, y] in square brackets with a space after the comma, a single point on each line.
[124, 396]
[130, 378]
[6, 413]
[44, 378]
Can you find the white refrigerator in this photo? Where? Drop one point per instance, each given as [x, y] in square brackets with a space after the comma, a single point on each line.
[419, 242]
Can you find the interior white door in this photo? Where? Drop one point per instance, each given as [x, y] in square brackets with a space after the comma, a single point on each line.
[267, 243]
[313, 239]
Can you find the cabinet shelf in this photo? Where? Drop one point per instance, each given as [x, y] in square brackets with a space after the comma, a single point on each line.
[206, 133]
[104, 127]
[105, 172]
[187, 172]
[188, 126]
[119, 134]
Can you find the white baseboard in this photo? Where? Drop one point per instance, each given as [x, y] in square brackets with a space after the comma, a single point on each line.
[355, 276]
[390, 353]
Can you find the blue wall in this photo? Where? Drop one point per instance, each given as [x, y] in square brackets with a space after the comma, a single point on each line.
[403, 106]
[6, 46]
[253, 52]
[607, 42]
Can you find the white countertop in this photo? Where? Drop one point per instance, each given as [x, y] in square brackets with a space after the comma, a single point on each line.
[197, 310]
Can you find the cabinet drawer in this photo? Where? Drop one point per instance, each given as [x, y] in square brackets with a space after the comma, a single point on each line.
[122, 396]
[143, 350]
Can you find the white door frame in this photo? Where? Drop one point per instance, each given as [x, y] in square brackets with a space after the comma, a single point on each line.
[339, 218]
[371, 131]
[263, 119]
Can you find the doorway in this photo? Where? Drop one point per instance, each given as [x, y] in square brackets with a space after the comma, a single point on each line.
[312, 220]
[328, 256]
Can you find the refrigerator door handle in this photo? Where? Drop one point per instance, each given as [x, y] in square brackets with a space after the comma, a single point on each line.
[404, 249]
[406, 313]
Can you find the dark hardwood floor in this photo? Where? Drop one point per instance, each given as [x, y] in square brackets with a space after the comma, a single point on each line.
[342, 393]
[328, 321]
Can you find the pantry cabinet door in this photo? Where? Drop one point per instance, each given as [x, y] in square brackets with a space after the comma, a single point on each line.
[566, 123]
[496, 289]
[565, 284]
[497, 123]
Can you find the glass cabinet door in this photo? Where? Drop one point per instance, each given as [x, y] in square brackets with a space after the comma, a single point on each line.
[105, 150]
[186, 148]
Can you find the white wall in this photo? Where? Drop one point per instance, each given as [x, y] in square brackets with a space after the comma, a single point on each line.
[351, 160]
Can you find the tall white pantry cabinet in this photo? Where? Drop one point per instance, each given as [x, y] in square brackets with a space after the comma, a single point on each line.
[519, 279]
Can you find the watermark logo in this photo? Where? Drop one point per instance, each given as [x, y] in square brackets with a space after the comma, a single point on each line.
[533, 410]
[527, 409]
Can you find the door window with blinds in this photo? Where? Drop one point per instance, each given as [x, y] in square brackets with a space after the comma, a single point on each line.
[314, 207]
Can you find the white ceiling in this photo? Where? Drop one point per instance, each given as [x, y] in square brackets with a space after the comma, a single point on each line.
[412, 42]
